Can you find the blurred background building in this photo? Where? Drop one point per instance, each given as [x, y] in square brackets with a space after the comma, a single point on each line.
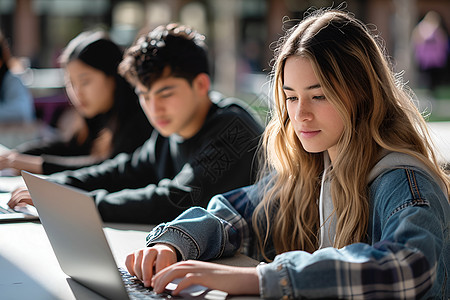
[240, 35]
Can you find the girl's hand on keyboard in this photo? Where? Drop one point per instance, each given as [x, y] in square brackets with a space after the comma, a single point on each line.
[146, 262]
[230, 279]
[20, 197]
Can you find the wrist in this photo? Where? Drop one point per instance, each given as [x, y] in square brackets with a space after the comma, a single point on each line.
[12, 160]
[31, 163]
[173, 249]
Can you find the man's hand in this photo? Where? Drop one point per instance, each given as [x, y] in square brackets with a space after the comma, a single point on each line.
[146, 262]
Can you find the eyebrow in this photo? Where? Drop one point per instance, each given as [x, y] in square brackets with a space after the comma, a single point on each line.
[164, 88]
[311, 87]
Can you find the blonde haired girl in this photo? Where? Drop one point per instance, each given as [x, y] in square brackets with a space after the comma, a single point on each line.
[352, 202]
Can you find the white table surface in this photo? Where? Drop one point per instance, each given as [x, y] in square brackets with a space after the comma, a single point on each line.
[29, 269]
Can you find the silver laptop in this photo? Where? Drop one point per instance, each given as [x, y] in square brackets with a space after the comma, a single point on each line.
[74, 229]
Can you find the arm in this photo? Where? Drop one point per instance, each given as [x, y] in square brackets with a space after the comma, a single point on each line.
[350, 271]
[222, 162]
[68, 154]
[199, 233]
[107, 145]
[57, 155]
[401, 262]
[47, 156]
[123, 171]
[218, 231]
[18, 161]
[408, 247]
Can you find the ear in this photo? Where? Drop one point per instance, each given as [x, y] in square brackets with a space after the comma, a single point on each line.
[202, 83]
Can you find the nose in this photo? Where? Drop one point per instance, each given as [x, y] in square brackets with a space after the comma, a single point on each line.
[303, 111]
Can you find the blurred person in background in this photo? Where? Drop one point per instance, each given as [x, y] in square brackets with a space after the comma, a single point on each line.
[203, 142]
[431, 49]
[16, 102]
[111, 120]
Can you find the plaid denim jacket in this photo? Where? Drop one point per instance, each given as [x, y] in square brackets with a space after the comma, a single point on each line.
[407, 255]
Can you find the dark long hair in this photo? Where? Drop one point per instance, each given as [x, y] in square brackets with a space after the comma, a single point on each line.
[95, 49]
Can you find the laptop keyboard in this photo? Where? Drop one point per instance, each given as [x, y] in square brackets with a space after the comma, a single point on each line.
[6, 210]
[136, 290]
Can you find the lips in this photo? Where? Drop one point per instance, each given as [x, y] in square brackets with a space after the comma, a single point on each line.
[162, 122]
[309, 133]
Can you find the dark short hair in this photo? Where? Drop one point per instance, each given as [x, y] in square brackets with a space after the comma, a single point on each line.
[177, 47]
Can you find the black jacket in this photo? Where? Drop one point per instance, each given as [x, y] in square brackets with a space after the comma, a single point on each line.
[168, 175]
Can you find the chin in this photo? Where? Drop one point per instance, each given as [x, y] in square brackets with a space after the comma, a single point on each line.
[89, 116]
[312, 150]
[164, 133]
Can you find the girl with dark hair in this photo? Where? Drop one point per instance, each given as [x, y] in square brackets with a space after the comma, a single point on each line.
[112, 120]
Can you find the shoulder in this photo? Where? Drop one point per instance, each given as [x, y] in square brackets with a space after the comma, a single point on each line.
[228, 108]
[406, 186]
[402, 172]
[14, 83]
[407, 179]
[11, 78]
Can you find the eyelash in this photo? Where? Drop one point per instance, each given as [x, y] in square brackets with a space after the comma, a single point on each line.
[314, 98]
[166, 95]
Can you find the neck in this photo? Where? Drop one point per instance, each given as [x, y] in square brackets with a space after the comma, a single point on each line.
[199, 120]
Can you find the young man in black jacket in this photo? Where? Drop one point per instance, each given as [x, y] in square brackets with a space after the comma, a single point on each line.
[203, 143]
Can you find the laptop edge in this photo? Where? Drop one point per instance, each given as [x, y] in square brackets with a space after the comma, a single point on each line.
[74, 229]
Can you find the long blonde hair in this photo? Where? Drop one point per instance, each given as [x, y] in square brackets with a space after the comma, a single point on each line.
[378, 113]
